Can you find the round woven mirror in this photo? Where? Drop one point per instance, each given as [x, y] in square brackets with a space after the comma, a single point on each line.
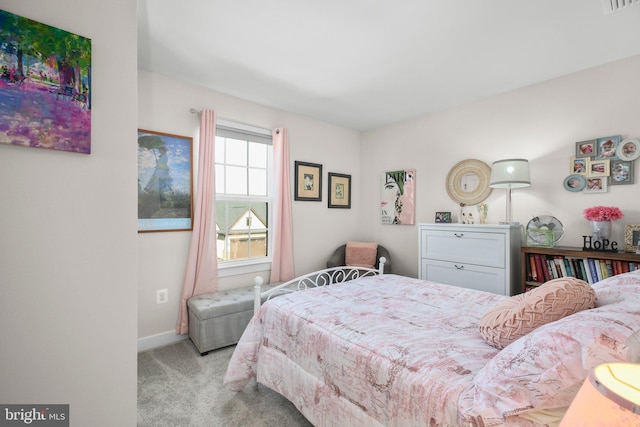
[468, 182]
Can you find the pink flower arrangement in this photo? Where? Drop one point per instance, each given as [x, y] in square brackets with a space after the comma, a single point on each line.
[603, 213]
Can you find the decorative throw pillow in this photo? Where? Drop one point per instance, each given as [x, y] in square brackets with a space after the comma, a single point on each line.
[361, 254]
[517, 316]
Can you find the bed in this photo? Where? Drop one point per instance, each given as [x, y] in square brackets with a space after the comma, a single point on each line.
[397, 351]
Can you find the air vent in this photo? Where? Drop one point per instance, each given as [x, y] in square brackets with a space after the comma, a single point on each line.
[611, 6]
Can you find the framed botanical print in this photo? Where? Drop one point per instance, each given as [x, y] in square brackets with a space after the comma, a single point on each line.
[339, 190]
[165, 182]
[308, 182]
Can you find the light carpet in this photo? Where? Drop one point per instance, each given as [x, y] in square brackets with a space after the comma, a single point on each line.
[178, 387]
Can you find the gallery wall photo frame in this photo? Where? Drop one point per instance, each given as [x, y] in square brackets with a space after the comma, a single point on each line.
[308, 181]
[621, 172]
[339, 191]
[586, 148]
[165, 182]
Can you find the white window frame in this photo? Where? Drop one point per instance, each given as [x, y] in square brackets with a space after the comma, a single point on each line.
[252, 265]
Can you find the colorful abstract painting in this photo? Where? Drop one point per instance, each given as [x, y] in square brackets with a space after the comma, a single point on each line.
[45, 86]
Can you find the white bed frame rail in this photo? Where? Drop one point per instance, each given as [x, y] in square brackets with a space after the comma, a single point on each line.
[315, 279]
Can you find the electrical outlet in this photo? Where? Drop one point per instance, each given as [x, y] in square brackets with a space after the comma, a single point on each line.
[162, 296]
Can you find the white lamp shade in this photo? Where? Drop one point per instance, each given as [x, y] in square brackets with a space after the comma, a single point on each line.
[610, 396]
[510, 173]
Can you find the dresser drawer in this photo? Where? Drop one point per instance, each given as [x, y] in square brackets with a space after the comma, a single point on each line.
[467, 247]
[488, 279]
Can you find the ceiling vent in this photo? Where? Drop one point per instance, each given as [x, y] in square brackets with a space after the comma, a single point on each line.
[611, 6]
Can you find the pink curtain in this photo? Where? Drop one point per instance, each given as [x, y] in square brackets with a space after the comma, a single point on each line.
[201, 275]
[282, 226]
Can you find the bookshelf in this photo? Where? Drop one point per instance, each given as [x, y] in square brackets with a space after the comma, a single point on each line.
[560, 261]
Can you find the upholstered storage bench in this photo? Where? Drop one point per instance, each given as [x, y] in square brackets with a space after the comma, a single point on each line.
[218, 319]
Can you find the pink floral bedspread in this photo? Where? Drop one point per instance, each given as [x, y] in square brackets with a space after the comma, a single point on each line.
[395, 351]
[381, 350]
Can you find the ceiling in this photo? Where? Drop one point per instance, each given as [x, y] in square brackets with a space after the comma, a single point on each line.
[365, 64]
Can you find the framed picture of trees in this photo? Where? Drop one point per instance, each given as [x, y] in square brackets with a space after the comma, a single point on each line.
[45, 86]
[165, 182]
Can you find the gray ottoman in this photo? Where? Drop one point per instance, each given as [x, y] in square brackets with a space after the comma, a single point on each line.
[218, 319]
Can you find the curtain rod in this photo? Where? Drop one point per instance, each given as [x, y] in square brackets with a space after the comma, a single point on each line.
[194, 111]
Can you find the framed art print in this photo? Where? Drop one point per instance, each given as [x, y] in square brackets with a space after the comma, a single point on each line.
[308, 182]
[339, 190]
[397, 198]
[165, 182]
[45, 86]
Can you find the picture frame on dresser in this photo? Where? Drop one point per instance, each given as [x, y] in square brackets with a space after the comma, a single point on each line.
[632, 238]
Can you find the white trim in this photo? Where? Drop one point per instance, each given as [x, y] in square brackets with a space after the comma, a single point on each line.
[231, 268]
[159, 340]
[243, 126]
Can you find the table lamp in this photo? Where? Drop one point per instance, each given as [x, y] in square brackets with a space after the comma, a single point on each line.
[510, 173]
[610, 396]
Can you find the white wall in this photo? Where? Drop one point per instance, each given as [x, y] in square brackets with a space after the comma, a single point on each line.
[164, 106]
[541, 123]
[68, 251]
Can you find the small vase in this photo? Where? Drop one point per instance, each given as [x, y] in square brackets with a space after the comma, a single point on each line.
[601, 230]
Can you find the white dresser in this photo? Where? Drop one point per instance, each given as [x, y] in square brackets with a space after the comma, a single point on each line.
[485, 257]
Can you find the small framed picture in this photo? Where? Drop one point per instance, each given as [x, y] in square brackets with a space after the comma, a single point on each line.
[621, 172]
[629, 149]
[598, 168]
[308, 182]
[443, 217]
[607, 148]
[575, 183]
[579, 165]
[596, 185]
[586, 148]
[541, 238]
[632, 238]
[339, 190]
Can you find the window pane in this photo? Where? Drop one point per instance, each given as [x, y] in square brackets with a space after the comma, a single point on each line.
[236, 152]
[219, 170]
[242, 230]
[236, 180]
[257, 155]
[258, 182]
[219, 149]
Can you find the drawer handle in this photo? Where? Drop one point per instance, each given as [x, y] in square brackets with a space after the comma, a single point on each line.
[459, 267]
[458, 235]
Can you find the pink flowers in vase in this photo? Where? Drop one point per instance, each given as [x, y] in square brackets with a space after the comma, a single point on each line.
[603, 213]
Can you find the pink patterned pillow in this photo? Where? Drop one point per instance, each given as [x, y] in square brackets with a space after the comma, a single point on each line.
[361, 254]
[517, 316]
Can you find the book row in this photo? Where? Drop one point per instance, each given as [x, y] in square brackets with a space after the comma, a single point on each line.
[542, 268]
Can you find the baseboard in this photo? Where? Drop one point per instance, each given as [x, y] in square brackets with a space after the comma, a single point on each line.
[159, 340]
